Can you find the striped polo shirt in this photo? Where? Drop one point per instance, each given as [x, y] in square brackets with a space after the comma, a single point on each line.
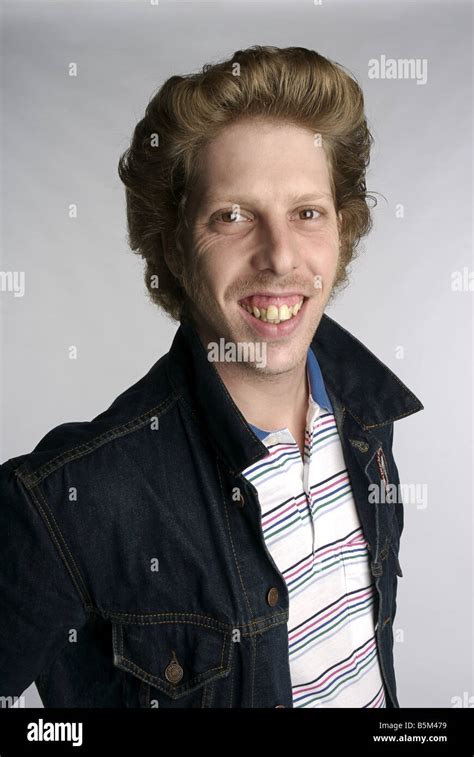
[312, 530]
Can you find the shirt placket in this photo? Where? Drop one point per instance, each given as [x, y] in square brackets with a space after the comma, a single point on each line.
[312, 415]
[297, 478]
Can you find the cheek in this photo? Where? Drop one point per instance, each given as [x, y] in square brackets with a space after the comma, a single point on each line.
[322, 251]
[217, 272]
[321, 262]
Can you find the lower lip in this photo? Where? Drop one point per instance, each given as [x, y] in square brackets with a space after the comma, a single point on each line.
[275, 330]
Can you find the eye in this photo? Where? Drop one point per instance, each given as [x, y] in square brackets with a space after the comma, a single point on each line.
[230, 216]
[310, 210]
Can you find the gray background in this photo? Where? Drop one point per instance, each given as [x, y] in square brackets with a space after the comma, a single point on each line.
[61, 139]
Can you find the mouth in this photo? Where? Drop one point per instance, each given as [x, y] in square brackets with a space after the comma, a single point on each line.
[273, 309]
[273, 316]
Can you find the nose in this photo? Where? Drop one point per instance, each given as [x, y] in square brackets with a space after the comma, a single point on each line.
[277, 247]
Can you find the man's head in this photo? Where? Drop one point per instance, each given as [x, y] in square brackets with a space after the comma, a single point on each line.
[248, 179]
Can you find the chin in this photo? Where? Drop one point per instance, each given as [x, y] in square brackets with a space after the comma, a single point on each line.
[282, 358]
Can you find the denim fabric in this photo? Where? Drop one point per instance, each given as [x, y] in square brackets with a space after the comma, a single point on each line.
[134, 571]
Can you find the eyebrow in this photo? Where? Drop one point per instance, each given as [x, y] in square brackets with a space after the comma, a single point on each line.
[307, 197]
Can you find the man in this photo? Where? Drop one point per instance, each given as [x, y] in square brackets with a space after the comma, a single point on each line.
[219, 536]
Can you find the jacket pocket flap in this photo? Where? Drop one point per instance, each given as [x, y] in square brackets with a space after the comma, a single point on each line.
[175, 656]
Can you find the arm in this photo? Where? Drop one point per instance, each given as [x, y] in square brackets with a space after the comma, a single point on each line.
[39, 603]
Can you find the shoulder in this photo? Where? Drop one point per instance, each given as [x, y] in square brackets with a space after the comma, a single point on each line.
[140, 405]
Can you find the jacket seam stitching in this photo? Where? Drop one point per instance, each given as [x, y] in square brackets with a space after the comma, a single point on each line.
[33, 478]
[116, 618]
[149, 678]
[254, 655]
[367, 427]
[232, 542]
[76, 579]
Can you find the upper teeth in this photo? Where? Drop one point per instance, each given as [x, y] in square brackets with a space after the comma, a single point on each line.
[274, 314]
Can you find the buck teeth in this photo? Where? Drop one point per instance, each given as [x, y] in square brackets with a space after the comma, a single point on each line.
[274, 314]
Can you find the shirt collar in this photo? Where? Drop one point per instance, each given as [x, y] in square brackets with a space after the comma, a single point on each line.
[318, 392]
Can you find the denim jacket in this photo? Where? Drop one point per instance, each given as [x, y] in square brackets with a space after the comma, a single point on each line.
[134, 572]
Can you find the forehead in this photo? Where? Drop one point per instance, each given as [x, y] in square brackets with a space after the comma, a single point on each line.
[254, 158]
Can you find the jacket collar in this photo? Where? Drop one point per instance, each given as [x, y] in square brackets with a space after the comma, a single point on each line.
[358, 381]
[365, 386]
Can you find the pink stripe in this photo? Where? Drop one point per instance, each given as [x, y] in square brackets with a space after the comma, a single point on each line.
[359, 655]
[320, 554]
[343, 477]
[302, 498]
[280, 448]
[266, 521]
[331, 612]
[358, 539]
[298, 570]
[379, 699]
[324, 423]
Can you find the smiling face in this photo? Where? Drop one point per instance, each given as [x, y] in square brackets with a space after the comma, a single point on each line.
[263, 237]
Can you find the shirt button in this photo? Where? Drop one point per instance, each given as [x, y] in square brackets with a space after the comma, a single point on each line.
[272, 596]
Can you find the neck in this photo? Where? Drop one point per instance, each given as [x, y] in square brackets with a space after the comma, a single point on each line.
[270, 402]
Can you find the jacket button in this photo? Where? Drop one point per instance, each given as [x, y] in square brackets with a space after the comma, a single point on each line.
[174, 671]
[376, 568]
[272, 596]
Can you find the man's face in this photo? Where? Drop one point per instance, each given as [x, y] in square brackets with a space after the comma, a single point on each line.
[262, 233]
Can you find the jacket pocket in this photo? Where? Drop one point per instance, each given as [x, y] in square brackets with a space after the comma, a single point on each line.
[176, 653]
